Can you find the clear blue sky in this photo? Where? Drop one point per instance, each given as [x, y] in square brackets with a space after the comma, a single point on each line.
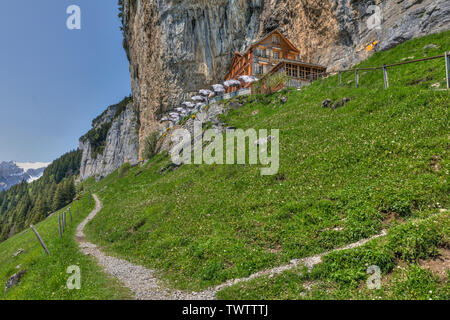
[54, 81]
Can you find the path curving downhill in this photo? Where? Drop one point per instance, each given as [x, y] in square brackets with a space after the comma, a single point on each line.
[144, 284]
[140, 280]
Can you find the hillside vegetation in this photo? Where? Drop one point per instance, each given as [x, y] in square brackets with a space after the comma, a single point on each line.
[27, 203]
[379, 162]
[45, 276]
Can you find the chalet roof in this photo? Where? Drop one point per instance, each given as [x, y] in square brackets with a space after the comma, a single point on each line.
[276, 31]
[238, 55]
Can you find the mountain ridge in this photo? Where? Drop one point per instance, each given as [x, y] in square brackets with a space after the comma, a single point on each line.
[12, 172]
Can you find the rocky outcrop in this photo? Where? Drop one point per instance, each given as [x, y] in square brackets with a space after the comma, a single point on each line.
[14, 280]
[176, 47]
[120, 143]
[335, 32]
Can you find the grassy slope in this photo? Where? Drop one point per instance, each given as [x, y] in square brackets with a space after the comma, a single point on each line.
[384, 155]
[343, 274]
[46, 275]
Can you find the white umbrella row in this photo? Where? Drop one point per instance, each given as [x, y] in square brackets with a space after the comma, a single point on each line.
[206, 93]
[202, 98]
[247, 79]
[220, 88]
[189, 104]
[232, 83]
[198, 98]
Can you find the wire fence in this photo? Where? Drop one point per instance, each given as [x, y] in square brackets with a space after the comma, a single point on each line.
[383, 75]
[365, 77]
[63, 221]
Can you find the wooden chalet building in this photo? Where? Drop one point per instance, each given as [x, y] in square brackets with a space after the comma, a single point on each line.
[272, 54]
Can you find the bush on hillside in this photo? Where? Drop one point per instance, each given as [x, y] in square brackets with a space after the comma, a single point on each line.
[150, 143]
[417, 239]
[123, 170]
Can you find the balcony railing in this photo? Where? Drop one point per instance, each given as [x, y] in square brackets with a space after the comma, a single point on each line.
[267, 58]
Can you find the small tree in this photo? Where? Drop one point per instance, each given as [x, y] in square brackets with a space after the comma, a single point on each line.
[257, 87]
[70, 190]
[59, 200]
[150, 143]
[123, 170]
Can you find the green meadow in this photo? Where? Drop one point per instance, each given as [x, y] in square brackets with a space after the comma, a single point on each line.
[379, 162]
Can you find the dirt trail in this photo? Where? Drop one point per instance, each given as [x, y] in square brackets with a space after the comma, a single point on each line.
[144, 284]
[141, 281]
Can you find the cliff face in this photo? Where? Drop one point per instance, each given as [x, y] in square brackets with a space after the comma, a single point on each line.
[176, 47]
[120, 143]
[335, 32]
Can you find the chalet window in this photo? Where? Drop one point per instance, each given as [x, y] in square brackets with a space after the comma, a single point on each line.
[261, 69]
[276, 40]
[261, 52]
[276, 55]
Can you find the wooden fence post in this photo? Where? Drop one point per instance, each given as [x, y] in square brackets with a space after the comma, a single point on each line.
[357, 78]
[386, 78]
[447, 68]
[59, 226]
[70, 214]
[63, 222]
[40, 239]
[340, 79]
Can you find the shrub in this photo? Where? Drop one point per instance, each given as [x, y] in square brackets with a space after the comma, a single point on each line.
[350, 266]
[363, 222]
[270, 83]
[123, 170]
[122, 105]
[416, 283]
[97, 139]
[150, 144]
[416, 240]
[258, 87]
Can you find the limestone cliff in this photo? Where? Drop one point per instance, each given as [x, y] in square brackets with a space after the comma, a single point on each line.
[176, 47]
[335, 32]
[112, 141]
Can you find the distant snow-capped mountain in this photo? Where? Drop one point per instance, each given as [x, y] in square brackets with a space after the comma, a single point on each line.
[12, 173]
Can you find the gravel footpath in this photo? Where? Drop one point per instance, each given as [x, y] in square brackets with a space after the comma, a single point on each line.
[309, 262]
[141, 281]
[144, 284]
